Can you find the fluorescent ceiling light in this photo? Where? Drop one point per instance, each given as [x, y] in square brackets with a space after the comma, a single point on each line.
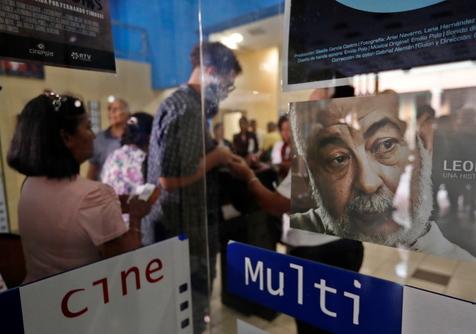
[232, 40]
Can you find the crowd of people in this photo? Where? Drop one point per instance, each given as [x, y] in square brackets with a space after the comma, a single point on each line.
[260, 150]
[66, 221]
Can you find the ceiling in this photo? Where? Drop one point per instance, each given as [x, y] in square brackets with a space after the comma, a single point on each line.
[257, 35]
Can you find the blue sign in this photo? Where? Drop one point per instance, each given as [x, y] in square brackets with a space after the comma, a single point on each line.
[332, 299]
[379, 6]
[10, 312]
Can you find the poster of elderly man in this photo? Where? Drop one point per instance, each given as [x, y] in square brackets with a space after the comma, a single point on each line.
[363, 170]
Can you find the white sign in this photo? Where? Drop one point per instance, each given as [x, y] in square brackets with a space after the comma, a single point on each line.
[141, 292]
[246, 328]
[425, 312]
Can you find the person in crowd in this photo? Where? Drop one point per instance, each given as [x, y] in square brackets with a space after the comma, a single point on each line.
[282, 154]
[444, 136]
[465, 122]
[245, 142]
[65, 221]
[358, 163]
[271, 137]
[257, 132]
[178, 164]
[124, 168]
[109, 140]
[219, 136]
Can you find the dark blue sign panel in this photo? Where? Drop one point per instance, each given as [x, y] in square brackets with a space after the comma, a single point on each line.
[331, 39]
[332, 299]
[10, 312]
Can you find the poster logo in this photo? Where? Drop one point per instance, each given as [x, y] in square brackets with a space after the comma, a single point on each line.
[85, 57]
[378, 6]
[41, 50]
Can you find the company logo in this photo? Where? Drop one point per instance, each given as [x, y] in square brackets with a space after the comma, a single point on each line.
[378, 6]
[41, 50]
[80, 56]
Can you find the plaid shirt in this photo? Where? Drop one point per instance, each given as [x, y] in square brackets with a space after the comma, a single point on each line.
[176, 148]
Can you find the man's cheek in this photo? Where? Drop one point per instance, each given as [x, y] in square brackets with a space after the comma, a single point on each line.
[335, 195]
[391, 176]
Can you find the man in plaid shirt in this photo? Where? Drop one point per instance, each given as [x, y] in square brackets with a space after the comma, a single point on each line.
[181, 152]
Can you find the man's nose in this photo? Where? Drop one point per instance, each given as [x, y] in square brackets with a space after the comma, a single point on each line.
[368, 179]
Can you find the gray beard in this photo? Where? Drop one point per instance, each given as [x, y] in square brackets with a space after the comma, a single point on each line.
[420, 207]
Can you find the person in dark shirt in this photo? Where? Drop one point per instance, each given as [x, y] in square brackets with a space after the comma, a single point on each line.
[245, 142]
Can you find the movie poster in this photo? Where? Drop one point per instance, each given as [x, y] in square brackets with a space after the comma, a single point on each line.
[24, 70]
[331, 39]
[70, 33]
[372, 169]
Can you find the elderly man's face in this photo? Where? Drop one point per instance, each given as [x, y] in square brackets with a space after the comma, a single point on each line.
[357, 158]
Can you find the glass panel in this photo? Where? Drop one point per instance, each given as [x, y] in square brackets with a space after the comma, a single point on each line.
[256, 33]
[148, 128]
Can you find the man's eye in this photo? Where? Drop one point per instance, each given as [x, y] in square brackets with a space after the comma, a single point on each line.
[385, 146]
[339, 160]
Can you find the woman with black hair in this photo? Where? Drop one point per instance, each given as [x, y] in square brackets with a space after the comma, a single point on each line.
[124, 168]
[65, 221]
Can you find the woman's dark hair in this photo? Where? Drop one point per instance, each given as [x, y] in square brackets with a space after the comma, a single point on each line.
[283, 119]
[37, 147]
[138, 129]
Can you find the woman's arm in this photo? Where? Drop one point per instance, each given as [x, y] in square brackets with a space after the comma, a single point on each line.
[132, 238]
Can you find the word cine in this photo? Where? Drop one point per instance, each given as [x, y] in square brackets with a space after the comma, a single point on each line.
[257, 274]
[152, 275]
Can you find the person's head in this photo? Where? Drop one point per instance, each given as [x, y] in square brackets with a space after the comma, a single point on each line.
[52, 138]
[220, 67]
[138, 129]
[271, 127]
[253, 125]
[319, 94]
[356, 154]
[118, 112]
[343, 91]
[243, 123]
[284, 129]
[425, 111]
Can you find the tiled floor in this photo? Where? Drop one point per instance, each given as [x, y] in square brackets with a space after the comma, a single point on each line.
[379, 261]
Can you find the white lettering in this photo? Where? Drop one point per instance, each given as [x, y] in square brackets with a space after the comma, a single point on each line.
[257, 273]
[322, 297]
[356, 305]
[300, 281]
[280, 290]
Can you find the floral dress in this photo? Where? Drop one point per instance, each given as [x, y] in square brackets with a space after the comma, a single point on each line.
[123, 169]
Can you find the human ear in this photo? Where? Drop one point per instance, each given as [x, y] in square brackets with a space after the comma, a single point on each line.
[66, 137]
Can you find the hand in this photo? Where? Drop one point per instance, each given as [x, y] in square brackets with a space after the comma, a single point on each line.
[138, 208]
[239, 168]
[224, 155]
[219, 156]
